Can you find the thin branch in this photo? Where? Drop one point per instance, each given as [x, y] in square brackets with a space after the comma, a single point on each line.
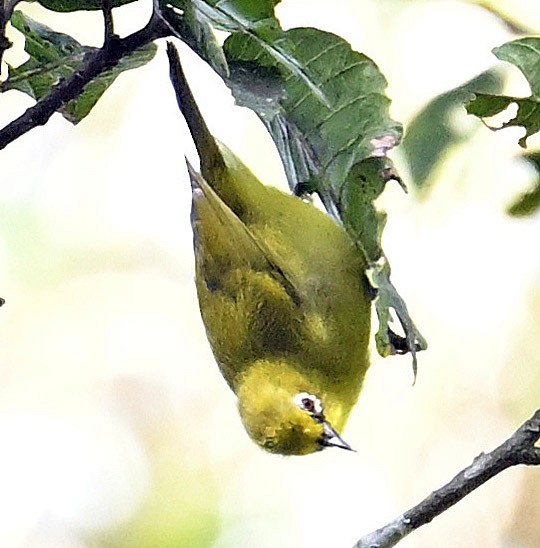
[106, 8]
[94, 64]
[518, 449]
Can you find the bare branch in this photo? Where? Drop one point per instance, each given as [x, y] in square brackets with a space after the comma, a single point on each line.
[96, 62]
[518, 449]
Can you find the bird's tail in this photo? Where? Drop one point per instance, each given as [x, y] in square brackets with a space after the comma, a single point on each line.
[207, 147]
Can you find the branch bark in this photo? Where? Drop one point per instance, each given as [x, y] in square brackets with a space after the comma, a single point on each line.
[97, 62]
[518, 449]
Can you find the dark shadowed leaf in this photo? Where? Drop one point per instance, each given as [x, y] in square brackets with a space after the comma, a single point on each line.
[431, 133]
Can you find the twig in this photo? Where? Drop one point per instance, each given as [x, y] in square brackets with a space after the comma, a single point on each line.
[518, 449]
[94, 64]
[106, 8]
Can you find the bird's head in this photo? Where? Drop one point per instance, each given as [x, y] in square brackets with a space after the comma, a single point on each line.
[286, 413]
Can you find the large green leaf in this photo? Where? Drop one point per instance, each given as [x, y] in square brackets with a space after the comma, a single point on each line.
[325, 106]
[54, 56]
[255, 20]
[335, 113]
[524, 53]
[326, 110]
[431, 133]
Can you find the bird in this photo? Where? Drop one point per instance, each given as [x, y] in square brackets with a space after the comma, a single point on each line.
[283, 297]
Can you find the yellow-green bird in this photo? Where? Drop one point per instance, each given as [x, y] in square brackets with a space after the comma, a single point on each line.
[283, 297]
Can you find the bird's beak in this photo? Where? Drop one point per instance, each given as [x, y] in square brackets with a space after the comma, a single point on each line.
[330, 438]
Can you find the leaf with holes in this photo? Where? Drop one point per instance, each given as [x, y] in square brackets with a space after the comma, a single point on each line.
[524, 53]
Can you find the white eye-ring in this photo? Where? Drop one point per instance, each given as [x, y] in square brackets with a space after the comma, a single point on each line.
[308, 402]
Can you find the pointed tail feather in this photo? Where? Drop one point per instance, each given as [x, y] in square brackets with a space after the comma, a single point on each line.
[207, 147]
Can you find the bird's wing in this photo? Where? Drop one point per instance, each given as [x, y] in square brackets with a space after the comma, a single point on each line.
[249, 306]
[228, 243]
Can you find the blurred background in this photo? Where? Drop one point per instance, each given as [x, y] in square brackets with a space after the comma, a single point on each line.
[116, 428]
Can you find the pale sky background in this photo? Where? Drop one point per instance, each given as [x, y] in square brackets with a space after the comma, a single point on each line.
[116, 426]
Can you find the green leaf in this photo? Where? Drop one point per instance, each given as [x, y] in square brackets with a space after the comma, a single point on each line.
[193, 21]
[529, 202]
[79, 5]
[365, 183]
[524, 53]
[325, 107]
[54, 56]
[194, 28]
[238, 15]
[331, 103]
[79, 108]
[431, 133]
[255, 20]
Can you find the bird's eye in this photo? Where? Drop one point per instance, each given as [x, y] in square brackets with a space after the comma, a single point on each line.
[308, 403]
